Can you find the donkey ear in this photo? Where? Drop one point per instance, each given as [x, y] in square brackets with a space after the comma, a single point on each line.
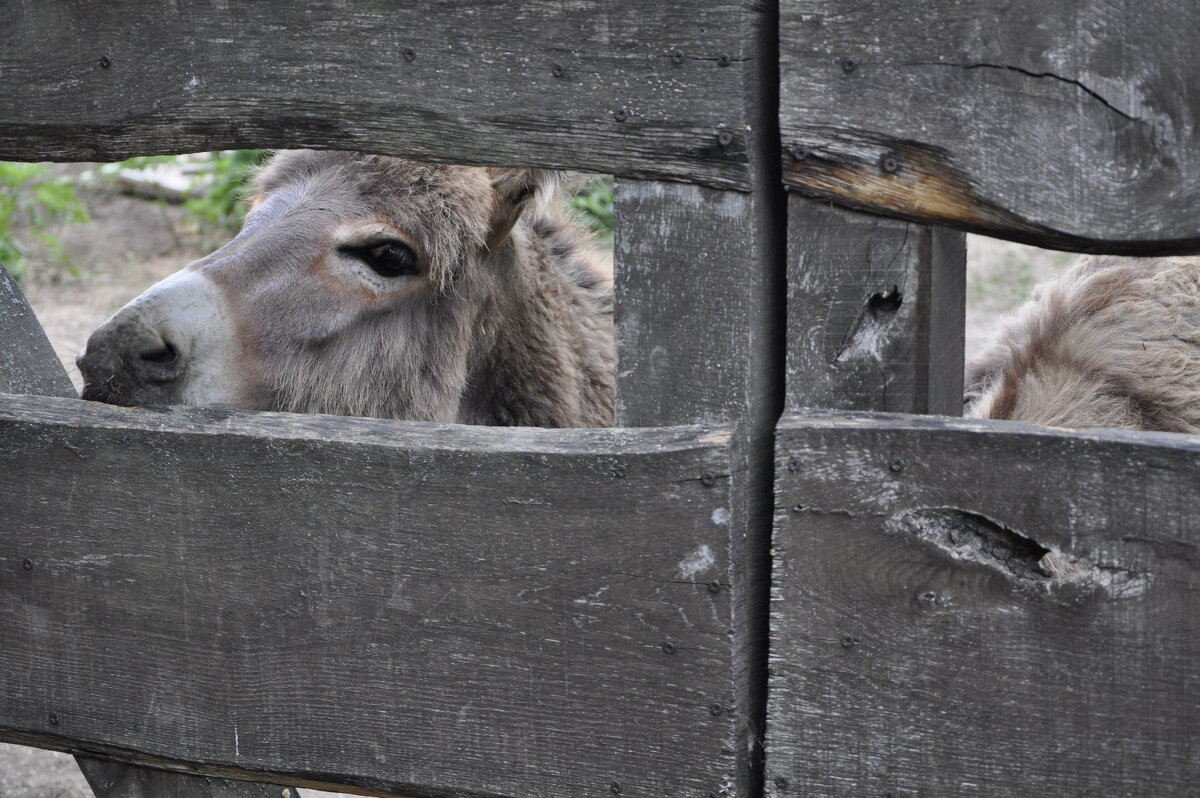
[515, 190]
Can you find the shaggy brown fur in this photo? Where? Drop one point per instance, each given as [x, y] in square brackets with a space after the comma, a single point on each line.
[506, 319]
[1115, 342]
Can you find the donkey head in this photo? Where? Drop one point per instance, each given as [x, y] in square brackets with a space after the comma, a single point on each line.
[359, 285]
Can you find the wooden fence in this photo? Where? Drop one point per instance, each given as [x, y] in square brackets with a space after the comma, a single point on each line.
[728, 595]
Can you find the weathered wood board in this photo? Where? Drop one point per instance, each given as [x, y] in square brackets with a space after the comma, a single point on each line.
[28, 364]
[414, 609]
[637, 89]
[876, 310]
[983, 608]
[1072, 125]
[27, 361]
[699, 334]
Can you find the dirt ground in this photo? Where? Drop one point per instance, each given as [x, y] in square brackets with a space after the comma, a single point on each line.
[131, 243]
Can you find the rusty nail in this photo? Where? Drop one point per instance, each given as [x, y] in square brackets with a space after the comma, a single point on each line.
[615, 788]
[793, 464]
[724, 59]
[621, 114]
[715, 709]
[677, 57]
[620, 470]
[708, 479]
[848, 641]
[781, 782]
[848, 65]
[724, 138]
[27, 565]
[558, 70]
[105, 62]
[53, 719]
[714, 587]
[889, 164]
[897, 464]
[410, 54]
[668, 647]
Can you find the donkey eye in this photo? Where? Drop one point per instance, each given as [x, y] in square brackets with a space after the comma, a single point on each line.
[389, 259]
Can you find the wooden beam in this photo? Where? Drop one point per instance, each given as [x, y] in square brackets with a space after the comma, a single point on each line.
[637, 89]
[1073, 126]
[407, 608]
[876, 311]
[983, 608]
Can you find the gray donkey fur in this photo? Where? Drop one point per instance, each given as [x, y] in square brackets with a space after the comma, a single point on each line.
[505, 318]
[1114, 342]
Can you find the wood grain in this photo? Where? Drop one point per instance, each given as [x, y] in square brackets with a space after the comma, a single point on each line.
[27, 361]
[876, 312]
[1073, 126]
[636, 89]
[409, 608]
[983, 608]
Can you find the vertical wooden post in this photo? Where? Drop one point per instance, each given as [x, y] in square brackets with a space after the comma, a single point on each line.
[28, 365]
[699, 338]
[876, 309]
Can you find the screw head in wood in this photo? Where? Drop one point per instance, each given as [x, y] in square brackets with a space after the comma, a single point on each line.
[105, 62]
[889, 164]
[848, 641]
[848, 65]
[53, 719]
[27, 564]
[708, 479]
[668, 647]
[558, 70]
[781, 782]
[620, 470]
[615, 788]
[799, 152]
[724, 59]
[724, 138]
[715, 709]
[677, 57]
[410, 54]
[714, 587]
[896, 464]
[621, 114]
[793, 464]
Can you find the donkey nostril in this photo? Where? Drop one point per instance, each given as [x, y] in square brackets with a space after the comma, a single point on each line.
[164, 354]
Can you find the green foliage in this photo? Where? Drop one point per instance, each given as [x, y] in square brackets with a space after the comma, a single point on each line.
[222, 203]
[594, 203]
[30, 197]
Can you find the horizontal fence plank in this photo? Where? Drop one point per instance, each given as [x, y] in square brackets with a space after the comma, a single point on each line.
[636, 89]
[983, 608]
[409, 608]
[1074, 126]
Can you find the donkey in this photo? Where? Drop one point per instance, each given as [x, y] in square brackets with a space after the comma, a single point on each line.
[372, 286]
[1115, 342]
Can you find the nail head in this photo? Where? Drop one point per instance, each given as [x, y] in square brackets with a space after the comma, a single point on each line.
[848, 65]
[668, 647]
[714, 587]
[410, 54]
[53, 719]
[724, 59]
[615, 788]
[105, 62]
[558, 70]
[27, 564]
[715, 709]
[848, 641]
[793, 464]
[897, 464]
[889, 164]
[724, 138]
[621, 114]
[677, 57]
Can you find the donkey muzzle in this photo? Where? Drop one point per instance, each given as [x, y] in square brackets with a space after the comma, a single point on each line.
[127, 362]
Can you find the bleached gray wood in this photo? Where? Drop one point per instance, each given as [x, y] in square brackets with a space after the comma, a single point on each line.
[876, 311]
[699, 312]
[27, 361]
[29, 365]
[409, 608]
[632, 88]
[1072, 125]
[983, 608]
